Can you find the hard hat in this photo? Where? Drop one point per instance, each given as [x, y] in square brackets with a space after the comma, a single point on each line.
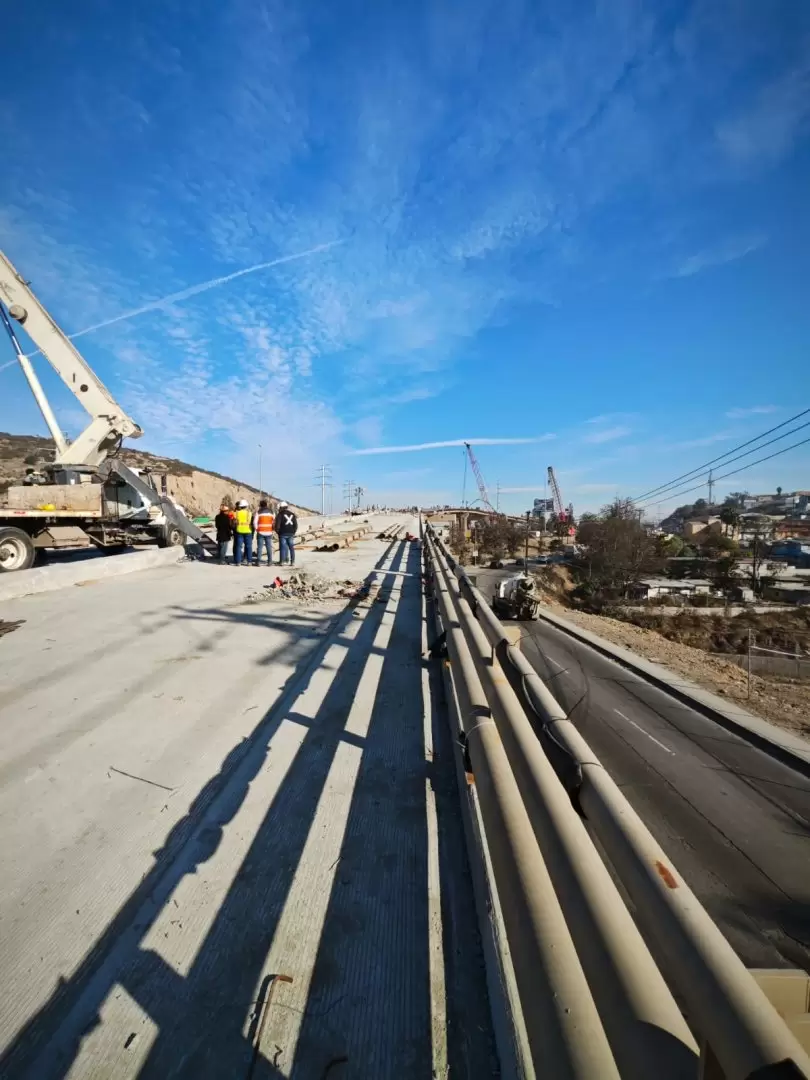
[283, 504]
[242, 503]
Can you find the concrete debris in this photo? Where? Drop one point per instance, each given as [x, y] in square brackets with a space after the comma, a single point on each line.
[7, 627]
[307, 588]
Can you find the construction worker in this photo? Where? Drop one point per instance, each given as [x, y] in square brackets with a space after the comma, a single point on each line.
[243, 534]
[263, 522]
[286, 526]
[223, 523]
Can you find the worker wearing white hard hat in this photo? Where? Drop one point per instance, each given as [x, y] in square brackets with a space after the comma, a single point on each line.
[286, 526]
[243, 534]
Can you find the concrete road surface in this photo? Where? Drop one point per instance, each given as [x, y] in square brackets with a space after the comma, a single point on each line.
[199, 794]
[734, 821]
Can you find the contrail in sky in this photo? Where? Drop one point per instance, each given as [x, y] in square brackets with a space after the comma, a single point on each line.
[450, 442]
[193, 290]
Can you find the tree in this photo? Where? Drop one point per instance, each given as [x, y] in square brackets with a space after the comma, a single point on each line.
[618, 549]
[778, 491]
[736, 498]
[670, 547]
[722, 574]
[459, 542]
[716, 543]
[730, 517]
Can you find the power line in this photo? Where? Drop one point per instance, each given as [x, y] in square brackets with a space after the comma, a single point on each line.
[742, 468]
[694, 472]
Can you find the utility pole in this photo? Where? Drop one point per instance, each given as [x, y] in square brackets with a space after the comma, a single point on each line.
[464, 485]
[711, 485]
[498, 496]
[526, 556]
[324, 481]
[261, 489]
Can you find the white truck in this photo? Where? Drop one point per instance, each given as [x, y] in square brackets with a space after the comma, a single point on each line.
[86, 495]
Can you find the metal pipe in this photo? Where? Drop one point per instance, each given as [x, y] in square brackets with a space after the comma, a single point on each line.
[35, 385]
[647, 1033]
[565, 1033]
[742, 1027]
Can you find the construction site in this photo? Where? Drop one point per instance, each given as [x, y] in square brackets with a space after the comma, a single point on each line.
[366, 816]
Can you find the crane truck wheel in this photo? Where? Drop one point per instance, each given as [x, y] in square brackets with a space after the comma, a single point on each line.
[171, 536]
[16, 550]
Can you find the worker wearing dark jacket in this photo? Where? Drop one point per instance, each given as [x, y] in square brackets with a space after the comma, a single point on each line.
[286, 526]
[223, 523]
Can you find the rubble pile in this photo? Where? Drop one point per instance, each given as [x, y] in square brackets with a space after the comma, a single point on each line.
[306, 588]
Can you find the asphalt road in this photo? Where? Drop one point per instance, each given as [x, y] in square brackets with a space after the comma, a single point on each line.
[734, 821]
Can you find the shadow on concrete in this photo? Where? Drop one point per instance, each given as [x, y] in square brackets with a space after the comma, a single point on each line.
[370, 996]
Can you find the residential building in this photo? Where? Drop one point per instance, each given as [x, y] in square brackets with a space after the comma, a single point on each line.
[654, 588]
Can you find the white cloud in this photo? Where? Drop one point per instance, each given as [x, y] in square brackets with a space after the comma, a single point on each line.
[450, 442]
[608, 435]
[753, 410]
[724, 252]
[706, 440]
[771, 126]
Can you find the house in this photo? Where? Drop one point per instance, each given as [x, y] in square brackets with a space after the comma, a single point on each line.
[702, 525]
[653, 588]
[787, 592]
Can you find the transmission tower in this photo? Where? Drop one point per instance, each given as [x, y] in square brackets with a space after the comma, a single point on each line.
[323, 480]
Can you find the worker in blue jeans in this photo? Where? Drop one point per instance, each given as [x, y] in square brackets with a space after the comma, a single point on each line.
[242, 534]
[263, 523]
[286, 526]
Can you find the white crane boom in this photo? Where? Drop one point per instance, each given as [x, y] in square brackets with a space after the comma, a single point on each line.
[109, 423]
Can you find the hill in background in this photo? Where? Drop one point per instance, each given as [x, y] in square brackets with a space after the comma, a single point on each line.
[198, 490]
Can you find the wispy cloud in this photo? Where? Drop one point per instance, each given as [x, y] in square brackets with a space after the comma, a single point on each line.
[706, 440]
[751, 410]
[770, 126]
[608, 435]
[451, 442]
[205, 286]
[726, 251]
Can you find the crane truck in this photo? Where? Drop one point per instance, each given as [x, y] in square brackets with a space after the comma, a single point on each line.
[86, 494]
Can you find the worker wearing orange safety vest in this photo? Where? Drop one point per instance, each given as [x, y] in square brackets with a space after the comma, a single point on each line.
[243, 534]
[263, 522]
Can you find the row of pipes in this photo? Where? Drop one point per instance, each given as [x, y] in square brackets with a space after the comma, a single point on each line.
[595, 1002]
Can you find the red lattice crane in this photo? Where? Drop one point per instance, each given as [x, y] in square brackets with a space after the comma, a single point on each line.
[564, 515]
[479, 479]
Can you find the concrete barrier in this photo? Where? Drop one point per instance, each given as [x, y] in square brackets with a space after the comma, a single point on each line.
[790, 749]
[41, 579]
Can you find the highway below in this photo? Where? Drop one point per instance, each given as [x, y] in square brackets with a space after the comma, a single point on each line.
[735, 821]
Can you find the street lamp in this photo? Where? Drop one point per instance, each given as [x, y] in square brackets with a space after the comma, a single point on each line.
[261, 490]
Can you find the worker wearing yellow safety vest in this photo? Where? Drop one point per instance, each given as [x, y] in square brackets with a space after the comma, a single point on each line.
[263, 522]
[242, 534]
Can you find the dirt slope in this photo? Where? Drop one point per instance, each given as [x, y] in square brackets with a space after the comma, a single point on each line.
[198, 490]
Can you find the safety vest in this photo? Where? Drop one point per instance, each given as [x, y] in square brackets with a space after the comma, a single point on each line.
[264, 522]
[243, 521]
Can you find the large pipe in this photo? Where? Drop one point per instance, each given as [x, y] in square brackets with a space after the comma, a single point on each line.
[564, 1032]
[35, 385]
[731, 1011]
[647, 1033]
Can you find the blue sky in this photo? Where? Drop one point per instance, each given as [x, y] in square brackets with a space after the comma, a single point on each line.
[584, 225]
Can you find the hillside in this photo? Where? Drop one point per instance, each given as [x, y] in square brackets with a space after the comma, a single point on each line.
[198, 490]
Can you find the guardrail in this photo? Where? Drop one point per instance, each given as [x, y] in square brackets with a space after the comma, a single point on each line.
[594, 1002]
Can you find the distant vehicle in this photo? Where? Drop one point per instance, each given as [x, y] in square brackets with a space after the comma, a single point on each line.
[496, 564]
[515, 598]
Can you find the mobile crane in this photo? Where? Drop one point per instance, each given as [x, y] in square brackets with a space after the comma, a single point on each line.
[86, 493]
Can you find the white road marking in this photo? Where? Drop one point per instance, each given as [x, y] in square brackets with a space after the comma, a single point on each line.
[643, 732]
